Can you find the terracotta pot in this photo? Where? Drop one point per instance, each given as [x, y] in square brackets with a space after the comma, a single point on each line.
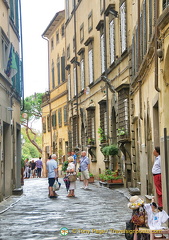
[117, 180]
[91, 180]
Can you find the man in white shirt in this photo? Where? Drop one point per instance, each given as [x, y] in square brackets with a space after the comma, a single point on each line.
[156, 171]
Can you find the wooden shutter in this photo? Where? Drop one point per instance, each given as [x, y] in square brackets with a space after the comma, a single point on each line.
[63, 68]
[102, 53]
[90, 55]
[74, 79]
[82, 74]
[123, 27]
[112, 42]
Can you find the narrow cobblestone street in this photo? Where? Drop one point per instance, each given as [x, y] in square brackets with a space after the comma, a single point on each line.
[93, 214]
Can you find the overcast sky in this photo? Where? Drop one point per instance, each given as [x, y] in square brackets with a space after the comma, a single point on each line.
[36, 15]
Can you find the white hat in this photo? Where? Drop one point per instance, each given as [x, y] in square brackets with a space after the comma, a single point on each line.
[135, 202]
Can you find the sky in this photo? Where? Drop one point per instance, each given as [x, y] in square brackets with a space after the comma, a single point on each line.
[36, 16]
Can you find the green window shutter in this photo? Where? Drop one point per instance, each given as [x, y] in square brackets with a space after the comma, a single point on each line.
[53, 77]
[58, 69]
[16, 15]
[63, 68]
[12, 10]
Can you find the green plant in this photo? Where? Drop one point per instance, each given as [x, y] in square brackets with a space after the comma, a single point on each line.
[90, 140]
[64, 166]
[102, 136]
[91, 175]
[79, 174]
[108, 172]
[121, 132]
[111, 150]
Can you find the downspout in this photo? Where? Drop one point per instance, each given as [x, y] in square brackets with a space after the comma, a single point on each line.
[21, 49]
[105, 62]
[139, 81]
[49, 96]
[77, 107]
[156, 46]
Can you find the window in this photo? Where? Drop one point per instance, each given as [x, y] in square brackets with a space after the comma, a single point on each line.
[14, 13]
[82, 32]
[53, 75]
[103, 119]
[82, 75]
[65, 115]
[90, 21]
[63, 68]
[5, 49]
[101, 6]
[123, 27]
[74, 79]
[54, 120]
[63, 30]
[75, 143]
[91, 132]
[112, 41]
[90, 58]
[150, 18]
[48, 123]
[102, 53]
[58, 70]
[69, 87]
[52, 45]
[144, 28]
[57, 37]
[60, 117]
[44, 124]
[123, 110]
[68, 52]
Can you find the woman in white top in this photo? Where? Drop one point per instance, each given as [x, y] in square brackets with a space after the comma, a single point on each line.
[71, 170]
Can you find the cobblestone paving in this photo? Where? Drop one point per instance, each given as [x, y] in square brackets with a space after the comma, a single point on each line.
[96, 213]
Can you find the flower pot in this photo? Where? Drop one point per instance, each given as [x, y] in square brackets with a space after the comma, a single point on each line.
[120, 180]
[91, 180]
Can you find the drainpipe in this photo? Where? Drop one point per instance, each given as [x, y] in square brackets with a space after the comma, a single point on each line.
[77, 107]
[139, 81]
[21, 47]
[156, 43]
[105, 62]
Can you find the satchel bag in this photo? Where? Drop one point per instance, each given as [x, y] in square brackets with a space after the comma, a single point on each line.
[72, 177]
[138, 216]
[79, 169]
[56, 186]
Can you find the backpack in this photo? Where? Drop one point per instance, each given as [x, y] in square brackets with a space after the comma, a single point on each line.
[129, 234]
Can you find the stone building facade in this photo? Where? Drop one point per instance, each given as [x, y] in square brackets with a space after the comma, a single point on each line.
[10, 98]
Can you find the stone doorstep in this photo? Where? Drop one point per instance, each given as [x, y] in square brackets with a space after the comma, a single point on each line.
[17, 191]
[134, 191]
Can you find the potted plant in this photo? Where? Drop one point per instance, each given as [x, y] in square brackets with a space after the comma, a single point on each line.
[101, 176]
[109, 178]
[110, 150]
[91, 179]
[118, 179]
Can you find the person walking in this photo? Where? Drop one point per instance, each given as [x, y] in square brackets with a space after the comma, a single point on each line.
[33, 165]
[156, 171]
[27, 168]
[39, 166]
[84, 166]
[52, 168]
[71, 170]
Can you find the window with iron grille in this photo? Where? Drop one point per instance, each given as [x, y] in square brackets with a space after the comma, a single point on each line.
[44, 124]
[123, 111]
[49, 123]
[123, 27]
[91, 132]
[75, 143]
[54, 120]
[65, 115]
[112, 41]
[165, 3]
[60, 117]
[103, 117]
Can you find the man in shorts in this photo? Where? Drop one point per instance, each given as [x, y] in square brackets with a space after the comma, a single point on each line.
[84, 165]
[52, 168]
